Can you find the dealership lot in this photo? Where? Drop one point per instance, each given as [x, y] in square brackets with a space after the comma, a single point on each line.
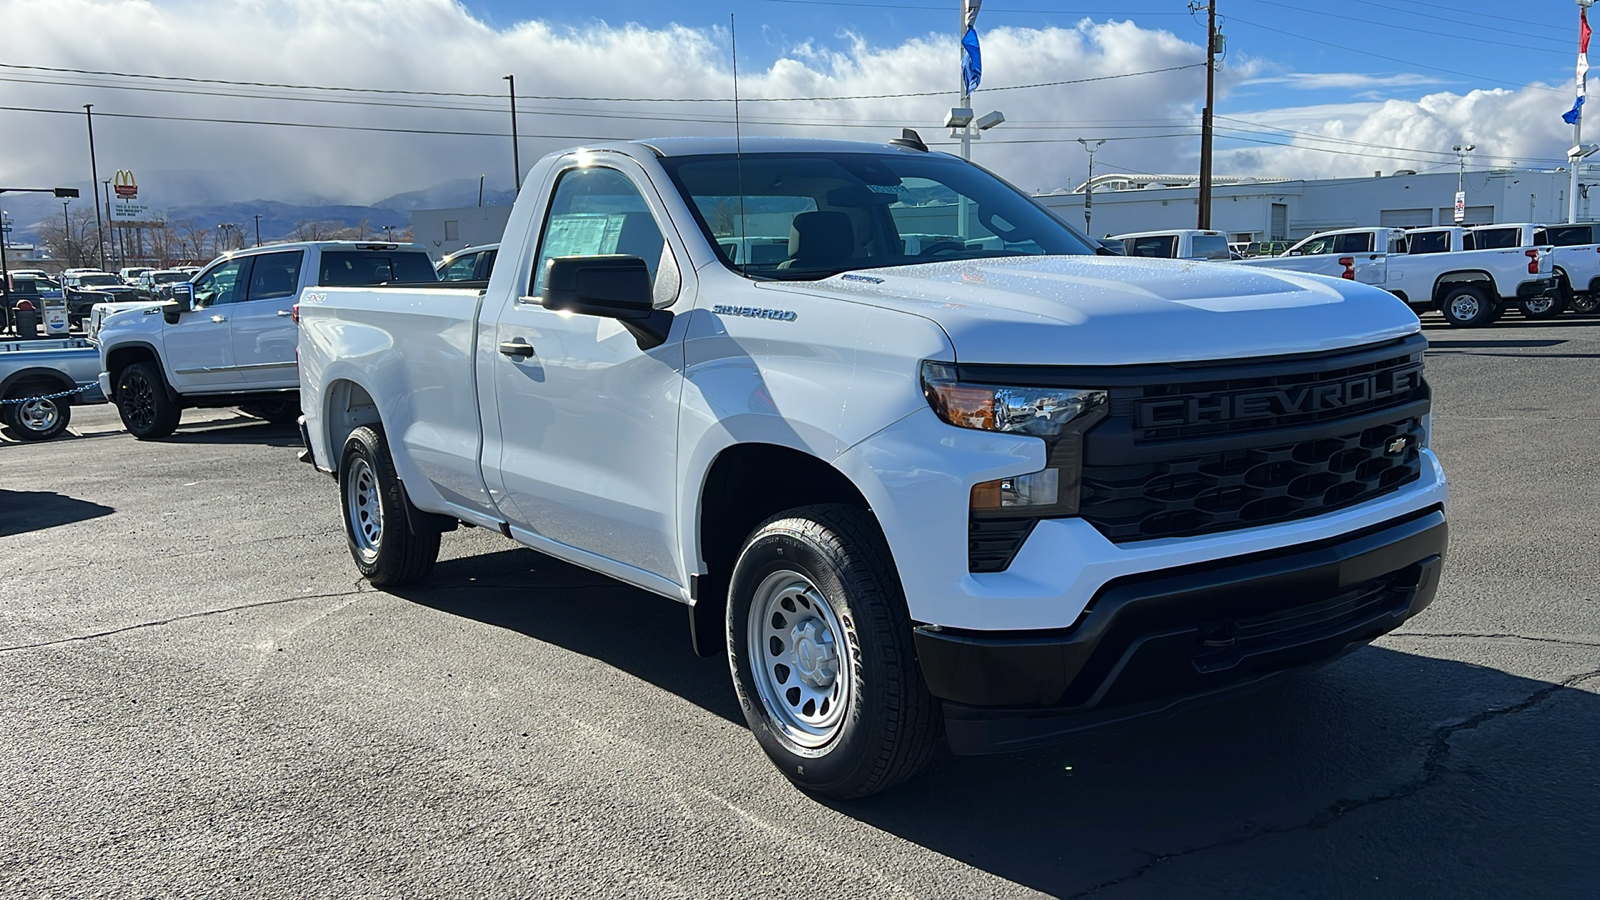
[200, 698]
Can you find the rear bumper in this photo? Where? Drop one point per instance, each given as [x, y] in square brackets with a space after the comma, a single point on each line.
[1538, 287]
[1152, 643]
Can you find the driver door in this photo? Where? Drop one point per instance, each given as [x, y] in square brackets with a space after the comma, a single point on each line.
[199, 348]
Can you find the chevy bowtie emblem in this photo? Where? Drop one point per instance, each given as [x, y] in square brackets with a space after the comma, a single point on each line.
[1396, 446]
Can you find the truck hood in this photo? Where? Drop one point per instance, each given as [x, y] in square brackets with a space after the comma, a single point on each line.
[1099, 310]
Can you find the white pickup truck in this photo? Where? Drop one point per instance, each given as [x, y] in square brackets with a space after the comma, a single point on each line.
[1006, 490]
[1181, 243]
[227, 338]
[1467, 274]
[1577, 264]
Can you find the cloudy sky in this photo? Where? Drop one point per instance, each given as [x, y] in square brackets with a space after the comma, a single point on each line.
[212, 101]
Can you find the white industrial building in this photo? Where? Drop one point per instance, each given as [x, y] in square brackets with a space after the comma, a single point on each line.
[1247, 209]
[1266, 209]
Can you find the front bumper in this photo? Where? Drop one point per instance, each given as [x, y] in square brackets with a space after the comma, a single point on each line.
[1149, 644]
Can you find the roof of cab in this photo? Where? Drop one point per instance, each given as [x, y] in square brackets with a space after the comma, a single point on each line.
[710, 146]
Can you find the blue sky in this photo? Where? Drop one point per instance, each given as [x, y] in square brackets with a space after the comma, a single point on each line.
[1415, 46]
[1305, 91]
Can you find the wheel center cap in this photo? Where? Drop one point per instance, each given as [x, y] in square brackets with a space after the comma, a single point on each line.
[814, 657]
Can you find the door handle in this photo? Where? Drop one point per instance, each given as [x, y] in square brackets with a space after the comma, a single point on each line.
[219, 319]
[283, 314]
[518, 348]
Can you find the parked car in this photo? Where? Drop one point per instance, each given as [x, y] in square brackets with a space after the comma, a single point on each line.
[33, 372]
[469, 264]
[227, 337]
[130, 274]
[1004, 490]
[25, 284]
[151, 282]
[1180, 243]
[85, 289]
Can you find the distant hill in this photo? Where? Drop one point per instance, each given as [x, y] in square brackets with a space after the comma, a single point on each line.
[446, 195]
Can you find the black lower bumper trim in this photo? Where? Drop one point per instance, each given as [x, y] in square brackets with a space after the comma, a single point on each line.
[1152, 642]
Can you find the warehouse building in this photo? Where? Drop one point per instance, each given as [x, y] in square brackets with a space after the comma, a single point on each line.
[1269, 209]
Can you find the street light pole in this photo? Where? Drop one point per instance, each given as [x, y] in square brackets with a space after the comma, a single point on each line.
[1088, 185]
[1461, 179]
[5, 274]
[258, 229]
[94, 176]
[66, 233]
[516, 158]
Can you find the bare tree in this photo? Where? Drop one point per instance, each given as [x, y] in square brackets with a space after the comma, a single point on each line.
[307, 230]
[71, 238]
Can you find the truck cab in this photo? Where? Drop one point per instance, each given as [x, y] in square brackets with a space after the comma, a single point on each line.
[1182, 243]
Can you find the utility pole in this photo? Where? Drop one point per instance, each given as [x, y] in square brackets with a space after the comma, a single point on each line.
[94, 176]
[66, 233]
[258, 229]
[516, 158]
[1088, 185]
[480, 192]
[1213, 45]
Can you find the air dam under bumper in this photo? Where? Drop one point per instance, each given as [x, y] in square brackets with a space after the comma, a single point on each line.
[1152, 643]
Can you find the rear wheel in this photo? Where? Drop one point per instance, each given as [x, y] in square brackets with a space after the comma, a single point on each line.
[142, 402]
[378, 516]
[1585, 303]
[1466, 306]
[29, 417]
[819, 642]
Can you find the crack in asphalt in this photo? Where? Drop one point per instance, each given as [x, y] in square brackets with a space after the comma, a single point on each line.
[1495, 635]
[1432, 771]
[186, 616]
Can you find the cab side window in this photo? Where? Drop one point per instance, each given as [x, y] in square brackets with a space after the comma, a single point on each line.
[1356, 242]
[275, 275]
[600, 212]
[1429, 242]
[462, 268]
[220, 284]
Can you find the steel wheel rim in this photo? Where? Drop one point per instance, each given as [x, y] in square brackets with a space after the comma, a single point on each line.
[363, 508]
[141, 405]
[1464, 306]
[800, 659]
[38, 415]
[1540, 305]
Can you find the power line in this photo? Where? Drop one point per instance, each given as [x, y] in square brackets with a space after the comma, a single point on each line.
[397, 91]
[1314, 136]
[1390, 6]
[1434, 32]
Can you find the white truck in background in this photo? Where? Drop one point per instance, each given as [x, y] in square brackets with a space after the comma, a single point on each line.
[1181, 243]
[995, 492]
[1577, 264]
[227, 339]
[1469, 275]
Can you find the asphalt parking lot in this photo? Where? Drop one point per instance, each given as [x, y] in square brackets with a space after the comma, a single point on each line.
[200, 699]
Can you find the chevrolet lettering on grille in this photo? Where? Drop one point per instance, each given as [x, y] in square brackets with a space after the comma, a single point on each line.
[1269, 402]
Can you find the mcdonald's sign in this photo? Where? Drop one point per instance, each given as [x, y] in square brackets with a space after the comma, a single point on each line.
[124, 185]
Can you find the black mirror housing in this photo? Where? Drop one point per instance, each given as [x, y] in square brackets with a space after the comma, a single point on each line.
[182, 301]
[611, 287]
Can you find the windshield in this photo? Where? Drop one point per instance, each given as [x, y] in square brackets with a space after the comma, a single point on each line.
[99, 280]
[167, 277]
[812, 215]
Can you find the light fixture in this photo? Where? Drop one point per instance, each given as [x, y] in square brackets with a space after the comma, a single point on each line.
[990, 120]
[958, 117]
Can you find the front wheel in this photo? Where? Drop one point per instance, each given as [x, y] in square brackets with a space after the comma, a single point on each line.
[142, 402]
[1465, 306]
[377, 515]
[819, 642]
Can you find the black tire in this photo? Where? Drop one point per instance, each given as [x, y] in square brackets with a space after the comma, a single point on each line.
[1584, 304]
[885, 726]
[278, 412]
[147, 411]
[378, 515]
[1467, 306]
[36, 420]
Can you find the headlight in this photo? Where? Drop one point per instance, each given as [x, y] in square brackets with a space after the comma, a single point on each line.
[1058, 415]
[1037, 411]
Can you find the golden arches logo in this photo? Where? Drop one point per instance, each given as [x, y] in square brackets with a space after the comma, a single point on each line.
[124, 184]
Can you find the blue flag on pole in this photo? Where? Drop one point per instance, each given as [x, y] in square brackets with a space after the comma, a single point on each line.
[971, 61]
[1571, 116]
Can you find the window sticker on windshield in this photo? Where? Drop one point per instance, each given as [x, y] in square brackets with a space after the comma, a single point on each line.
[888, 189]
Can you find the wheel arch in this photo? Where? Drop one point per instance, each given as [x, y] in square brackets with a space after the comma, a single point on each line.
[346, 406]
[124, 355]
[1465, 276]
[746, 484]
[36, 373]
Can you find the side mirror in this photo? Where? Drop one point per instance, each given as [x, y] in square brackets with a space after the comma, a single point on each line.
[182, 301]
[611, 287]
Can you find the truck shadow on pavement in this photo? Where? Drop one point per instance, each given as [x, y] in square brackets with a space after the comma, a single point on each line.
[551, 601]
[238, 430]
[1382, 774]
[25, 511]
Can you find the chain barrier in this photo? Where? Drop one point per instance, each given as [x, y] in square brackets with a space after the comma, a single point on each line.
[57, 396]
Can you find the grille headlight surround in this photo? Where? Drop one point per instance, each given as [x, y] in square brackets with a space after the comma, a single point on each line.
[1036, 411]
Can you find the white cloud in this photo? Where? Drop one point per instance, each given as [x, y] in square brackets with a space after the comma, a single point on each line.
[435, 45]
[1348, 81]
